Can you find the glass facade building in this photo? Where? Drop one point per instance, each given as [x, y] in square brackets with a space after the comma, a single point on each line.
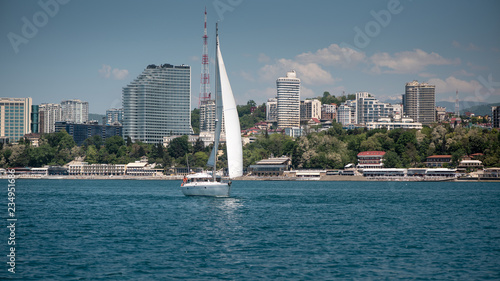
[35, 121]
[15, 118]
[81, 132]
[158, 104]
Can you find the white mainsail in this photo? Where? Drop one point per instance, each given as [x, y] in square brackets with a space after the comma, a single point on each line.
[224, 93]
[232, 122]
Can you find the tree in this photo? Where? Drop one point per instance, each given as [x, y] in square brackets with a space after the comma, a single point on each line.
[392, 160]
[178, 147]
[198, 146]
[92, 155]
[405, 138]
[113, 144]
[94, 140]
[195, 120]
[200, 159]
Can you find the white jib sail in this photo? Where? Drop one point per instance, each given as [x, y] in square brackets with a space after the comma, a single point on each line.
[232, 123]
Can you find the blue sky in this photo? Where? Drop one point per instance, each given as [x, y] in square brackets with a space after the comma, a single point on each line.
[89, 50]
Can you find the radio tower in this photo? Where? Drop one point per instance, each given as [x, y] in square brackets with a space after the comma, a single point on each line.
[205, 76]
[457, 106]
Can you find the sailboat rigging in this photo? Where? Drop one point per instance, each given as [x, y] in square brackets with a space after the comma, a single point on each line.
[204, 184]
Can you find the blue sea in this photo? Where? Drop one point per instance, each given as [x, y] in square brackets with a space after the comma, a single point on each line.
[147, 230]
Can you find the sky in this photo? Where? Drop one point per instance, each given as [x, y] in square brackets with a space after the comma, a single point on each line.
[53, 50]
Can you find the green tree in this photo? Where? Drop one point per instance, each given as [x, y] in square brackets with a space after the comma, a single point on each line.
[392, 160]
[178, 147]
[200, 159]
[94, 140]
[195, 120]
[198, 146]
[113, 144]
[405, 138]
[92, 155]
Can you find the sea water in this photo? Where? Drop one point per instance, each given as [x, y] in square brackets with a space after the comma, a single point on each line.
[147, 230]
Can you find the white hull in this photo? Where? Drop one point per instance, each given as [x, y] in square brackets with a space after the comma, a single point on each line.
[212, 189]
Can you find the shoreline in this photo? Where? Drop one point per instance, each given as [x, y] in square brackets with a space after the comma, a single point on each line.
[250, 178]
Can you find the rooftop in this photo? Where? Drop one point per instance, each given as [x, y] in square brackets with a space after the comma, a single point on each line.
[439, 156]
[273, 161]
[371, 153]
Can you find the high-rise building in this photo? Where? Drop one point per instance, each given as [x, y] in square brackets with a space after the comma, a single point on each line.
[75, 111]
[158, 104]
[207, 116]
[370, 109]
[495, 116]
[49, 114]
[114, 115]
[15, 118]
[35, 119]
[440, 113]
[419, 102]
[329, 111]
[272, 110]
[288, 89]
[310, 109]
[346, 113]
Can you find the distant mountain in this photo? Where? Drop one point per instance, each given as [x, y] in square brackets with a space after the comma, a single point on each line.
[95, 116]
[484, 109]
[450, 106]
[393, 101]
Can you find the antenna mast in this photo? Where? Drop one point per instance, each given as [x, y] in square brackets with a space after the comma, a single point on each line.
[457, 106]
[205, 76]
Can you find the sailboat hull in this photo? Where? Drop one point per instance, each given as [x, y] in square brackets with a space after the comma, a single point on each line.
[211, 189]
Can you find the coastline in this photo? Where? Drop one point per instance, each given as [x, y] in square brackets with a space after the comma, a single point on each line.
[251, 178]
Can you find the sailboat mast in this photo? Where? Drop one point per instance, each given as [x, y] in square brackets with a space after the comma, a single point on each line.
[217, 101]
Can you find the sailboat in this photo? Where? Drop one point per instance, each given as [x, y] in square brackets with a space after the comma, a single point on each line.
[206, 184]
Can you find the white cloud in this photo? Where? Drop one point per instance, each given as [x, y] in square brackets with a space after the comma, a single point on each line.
[120, 74]
[473, 47]
[107, 71]
[309, 73]
[407, 62]
[309, 66]
[463, 72]
[451, 84]
[426, 75]
[247, 76]
[396, 98]
[333, 55]
[476, 67]
[470, 47]
[307, 93]
[258, 95]
[263, 58]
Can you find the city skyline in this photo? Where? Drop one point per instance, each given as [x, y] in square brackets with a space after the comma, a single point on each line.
[91, 50]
